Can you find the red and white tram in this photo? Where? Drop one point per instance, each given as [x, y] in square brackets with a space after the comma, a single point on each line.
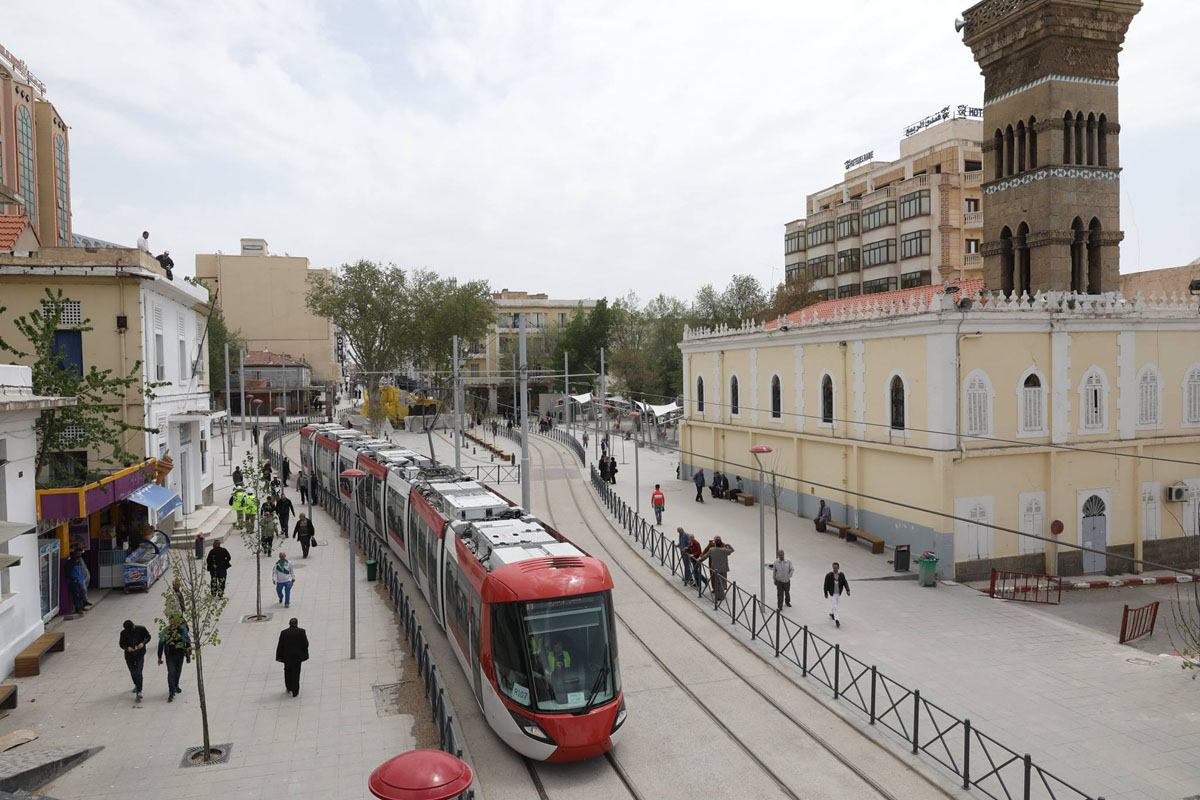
[528, 613]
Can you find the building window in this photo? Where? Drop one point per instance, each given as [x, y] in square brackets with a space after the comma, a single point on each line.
[793, 242]
[850, 290]
[160, 357]
[1191, 396]
[733, 396]
[827, 400]
[70, 312]
[60, 191]
[879, 285]
[1149, 398]
[776, 398]
[1033, 520]
[25, 163]
[914, 204]
[1094, 402]
[848, 260]
[183, 361]
[972, 246]
[792, 272]
[896, 395]
[1150, 512]
[1033, 404]
[847, 226]
[977, 406]
[700, 395]
[911, 280]
[820, 267]
[878, 215]
[820, 234]
[881, 252]
[914, 244]
[972, 205]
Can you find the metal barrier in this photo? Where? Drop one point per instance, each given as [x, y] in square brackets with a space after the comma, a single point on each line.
[1137, 622]
[978, 760]
[1025, 587]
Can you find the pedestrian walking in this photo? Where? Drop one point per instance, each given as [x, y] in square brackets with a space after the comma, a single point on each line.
[254, 433]
[77, 580]
[835, 584]
[285, 470]
[659, 501]
[698, 479]
[304, 533]
[237, 476]
[176, 645]
[133, 641]
[266, 471]
[283, 575]
[717, 556]
[292, 651]
[782, 571]
[823, 517]
[302, 485]
[218, 568]
[585, 441]
[284, 510]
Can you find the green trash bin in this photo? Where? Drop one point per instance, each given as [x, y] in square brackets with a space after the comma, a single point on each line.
[926, 567]
[372, 567]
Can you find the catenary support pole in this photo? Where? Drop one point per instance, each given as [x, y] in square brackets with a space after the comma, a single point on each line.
[567, 390]
[242, 380]
[525, 475]
[353, 558]
[457, 411]
[228, 409]
[603, 401]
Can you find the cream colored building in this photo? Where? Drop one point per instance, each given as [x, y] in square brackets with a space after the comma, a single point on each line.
[1160, 281]
[896, 224]
[136, 316]
[262, 295]
[491, 363]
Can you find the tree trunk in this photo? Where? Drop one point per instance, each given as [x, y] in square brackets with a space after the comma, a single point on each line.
[375, 399]
[203, 703]
[258, 579]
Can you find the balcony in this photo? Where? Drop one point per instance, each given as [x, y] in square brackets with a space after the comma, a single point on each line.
[973, 260]
[975, 177]
[882, 193]
[973, 219]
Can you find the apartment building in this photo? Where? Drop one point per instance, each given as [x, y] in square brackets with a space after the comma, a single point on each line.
[899, 224]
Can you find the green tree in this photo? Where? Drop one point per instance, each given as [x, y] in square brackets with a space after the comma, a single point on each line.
[95, 422]
[251, 526]
[190, 602]
[585, 333]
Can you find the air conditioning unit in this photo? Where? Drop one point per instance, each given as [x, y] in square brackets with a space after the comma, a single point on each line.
[1175, 493]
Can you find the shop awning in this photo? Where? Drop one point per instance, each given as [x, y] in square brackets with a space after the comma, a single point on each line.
[156, 498]
[11, 530]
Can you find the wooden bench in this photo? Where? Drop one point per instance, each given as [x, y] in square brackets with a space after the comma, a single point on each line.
[854, 534]
[29, 662]
[8, 697]
[746, 499]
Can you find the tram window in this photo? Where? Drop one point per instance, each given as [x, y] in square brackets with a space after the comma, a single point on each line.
[512, 673]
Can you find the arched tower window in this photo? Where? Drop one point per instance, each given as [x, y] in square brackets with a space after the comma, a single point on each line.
[1023, 268]
[733, 396]
[896, 393]
[978, 405]
[1078, 244]
[1006, 261]
[1008, 150]
[1021, 146]
[700, 395]
[1032, 133]
[1091, 140]
[827, 400]
[776, 398]
[1102, 141]
[1079, 145]
[25, 162]
[1094, 263]
[998, 149]
[60, 191]
[1067, 124]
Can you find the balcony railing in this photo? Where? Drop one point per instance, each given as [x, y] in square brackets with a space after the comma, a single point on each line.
[973, 219]
[973, 260]
[974, 177]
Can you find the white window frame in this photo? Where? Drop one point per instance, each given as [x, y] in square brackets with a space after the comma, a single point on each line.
[1153, 421]
[1100, 425]
[989, 402]
[1028, 521]
[1189, 403]
[775, 420]
[734, 414]
[1043, 392]
[700, 400]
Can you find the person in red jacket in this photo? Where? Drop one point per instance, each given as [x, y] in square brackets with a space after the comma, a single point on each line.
[659, 501]
[693, 554]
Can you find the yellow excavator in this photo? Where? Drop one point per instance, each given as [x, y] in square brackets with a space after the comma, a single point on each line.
[398, 404]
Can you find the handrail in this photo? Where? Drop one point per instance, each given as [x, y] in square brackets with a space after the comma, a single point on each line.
[902, 711]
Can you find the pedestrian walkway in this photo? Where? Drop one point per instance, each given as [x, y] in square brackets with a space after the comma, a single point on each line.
[1103, 716]
[321, 744]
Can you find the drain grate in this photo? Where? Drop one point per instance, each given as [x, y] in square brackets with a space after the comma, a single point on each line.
[190, 754]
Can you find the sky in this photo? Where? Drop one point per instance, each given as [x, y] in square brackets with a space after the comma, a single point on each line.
[580, 149]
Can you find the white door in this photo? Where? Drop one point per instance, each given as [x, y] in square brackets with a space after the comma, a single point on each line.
[1032, 521]
[979, 536]
[185, 486]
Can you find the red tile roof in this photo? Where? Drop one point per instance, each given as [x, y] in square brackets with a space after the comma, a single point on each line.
[265, 358]
[11, 226]
[828, 308]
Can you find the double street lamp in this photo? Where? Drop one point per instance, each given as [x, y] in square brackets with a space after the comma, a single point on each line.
[353, 475]
[759, 450]
[280, 412]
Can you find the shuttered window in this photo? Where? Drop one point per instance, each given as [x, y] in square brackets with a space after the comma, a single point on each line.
[1032, 415]
[1192, 397]
[977, 407]
[1148, 394]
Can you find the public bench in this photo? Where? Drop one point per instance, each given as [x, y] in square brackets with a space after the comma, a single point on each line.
[746, 499]
[854, 534]
[8, 697]
[29, 662]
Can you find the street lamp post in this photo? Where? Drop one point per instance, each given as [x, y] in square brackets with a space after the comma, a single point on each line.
[281, 412]
[758, 450]
[353, 475]
[256, 404]
[637, 470]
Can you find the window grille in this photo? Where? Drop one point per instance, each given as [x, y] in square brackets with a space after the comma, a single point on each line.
[70, 312]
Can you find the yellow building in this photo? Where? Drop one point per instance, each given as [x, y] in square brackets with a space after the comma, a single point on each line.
[491, 364]
[262, 296]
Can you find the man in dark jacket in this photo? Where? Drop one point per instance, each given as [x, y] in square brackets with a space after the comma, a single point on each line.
[284, 510]
[302, 485]
[77, 581]
[304, 533]
[698, 479]
[292, 651]
[175, 644]
[133, 641]
[835, 584]
[218, 567]
[237, 476]
[285, 470]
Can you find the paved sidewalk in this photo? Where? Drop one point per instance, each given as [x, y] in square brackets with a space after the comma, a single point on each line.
[322, 744]
[1113, 720]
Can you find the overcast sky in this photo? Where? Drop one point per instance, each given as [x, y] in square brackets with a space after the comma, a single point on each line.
[584, 149]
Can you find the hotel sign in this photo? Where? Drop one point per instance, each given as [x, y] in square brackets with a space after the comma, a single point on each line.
[854, 162]
[21, 68]
[949, 112]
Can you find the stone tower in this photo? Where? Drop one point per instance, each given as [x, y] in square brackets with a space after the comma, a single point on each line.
[1051, 166]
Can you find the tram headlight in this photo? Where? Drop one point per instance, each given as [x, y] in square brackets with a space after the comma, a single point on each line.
[531, 728]
[620, 720]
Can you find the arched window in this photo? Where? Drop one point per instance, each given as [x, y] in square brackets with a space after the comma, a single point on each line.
[776, 398]
[1091, 139]
[1191, 396]
[977, 405]
[1078, 250]
[1095, 266]
[25, 162]
[733, 396]
[827, 400]
[1102, 141]
[1080, 147]
[1093, 398]
[896, 396]
[700, 395]
[1033, 405]
[1149, 398]
[1032, 133]
[1007, 261]
[1067, 127]
[60, 191]
[1008, 150]
[998, 149]
[1023, 268]
[1021, 146]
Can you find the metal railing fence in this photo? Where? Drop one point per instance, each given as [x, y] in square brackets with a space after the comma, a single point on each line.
[979, 761]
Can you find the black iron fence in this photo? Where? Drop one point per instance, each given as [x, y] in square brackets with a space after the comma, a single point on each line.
[976, 759]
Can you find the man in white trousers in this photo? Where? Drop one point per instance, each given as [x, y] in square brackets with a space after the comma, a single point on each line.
[835, 584]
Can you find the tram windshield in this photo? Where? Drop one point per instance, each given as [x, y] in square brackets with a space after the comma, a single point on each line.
[557, 655]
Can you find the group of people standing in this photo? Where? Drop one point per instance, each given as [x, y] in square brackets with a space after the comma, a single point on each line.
[608, 469]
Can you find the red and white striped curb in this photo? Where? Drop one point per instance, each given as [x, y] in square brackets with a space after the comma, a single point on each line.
[1112, 584]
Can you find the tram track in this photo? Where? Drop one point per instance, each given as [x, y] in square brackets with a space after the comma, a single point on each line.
[790, 717]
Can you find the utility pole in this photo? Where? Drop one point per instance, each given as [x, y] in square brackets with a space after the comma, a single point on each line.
[525, 488]
[457, 411]
[603, 399]
[228, 407]
[242, 380]
[567, 389]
